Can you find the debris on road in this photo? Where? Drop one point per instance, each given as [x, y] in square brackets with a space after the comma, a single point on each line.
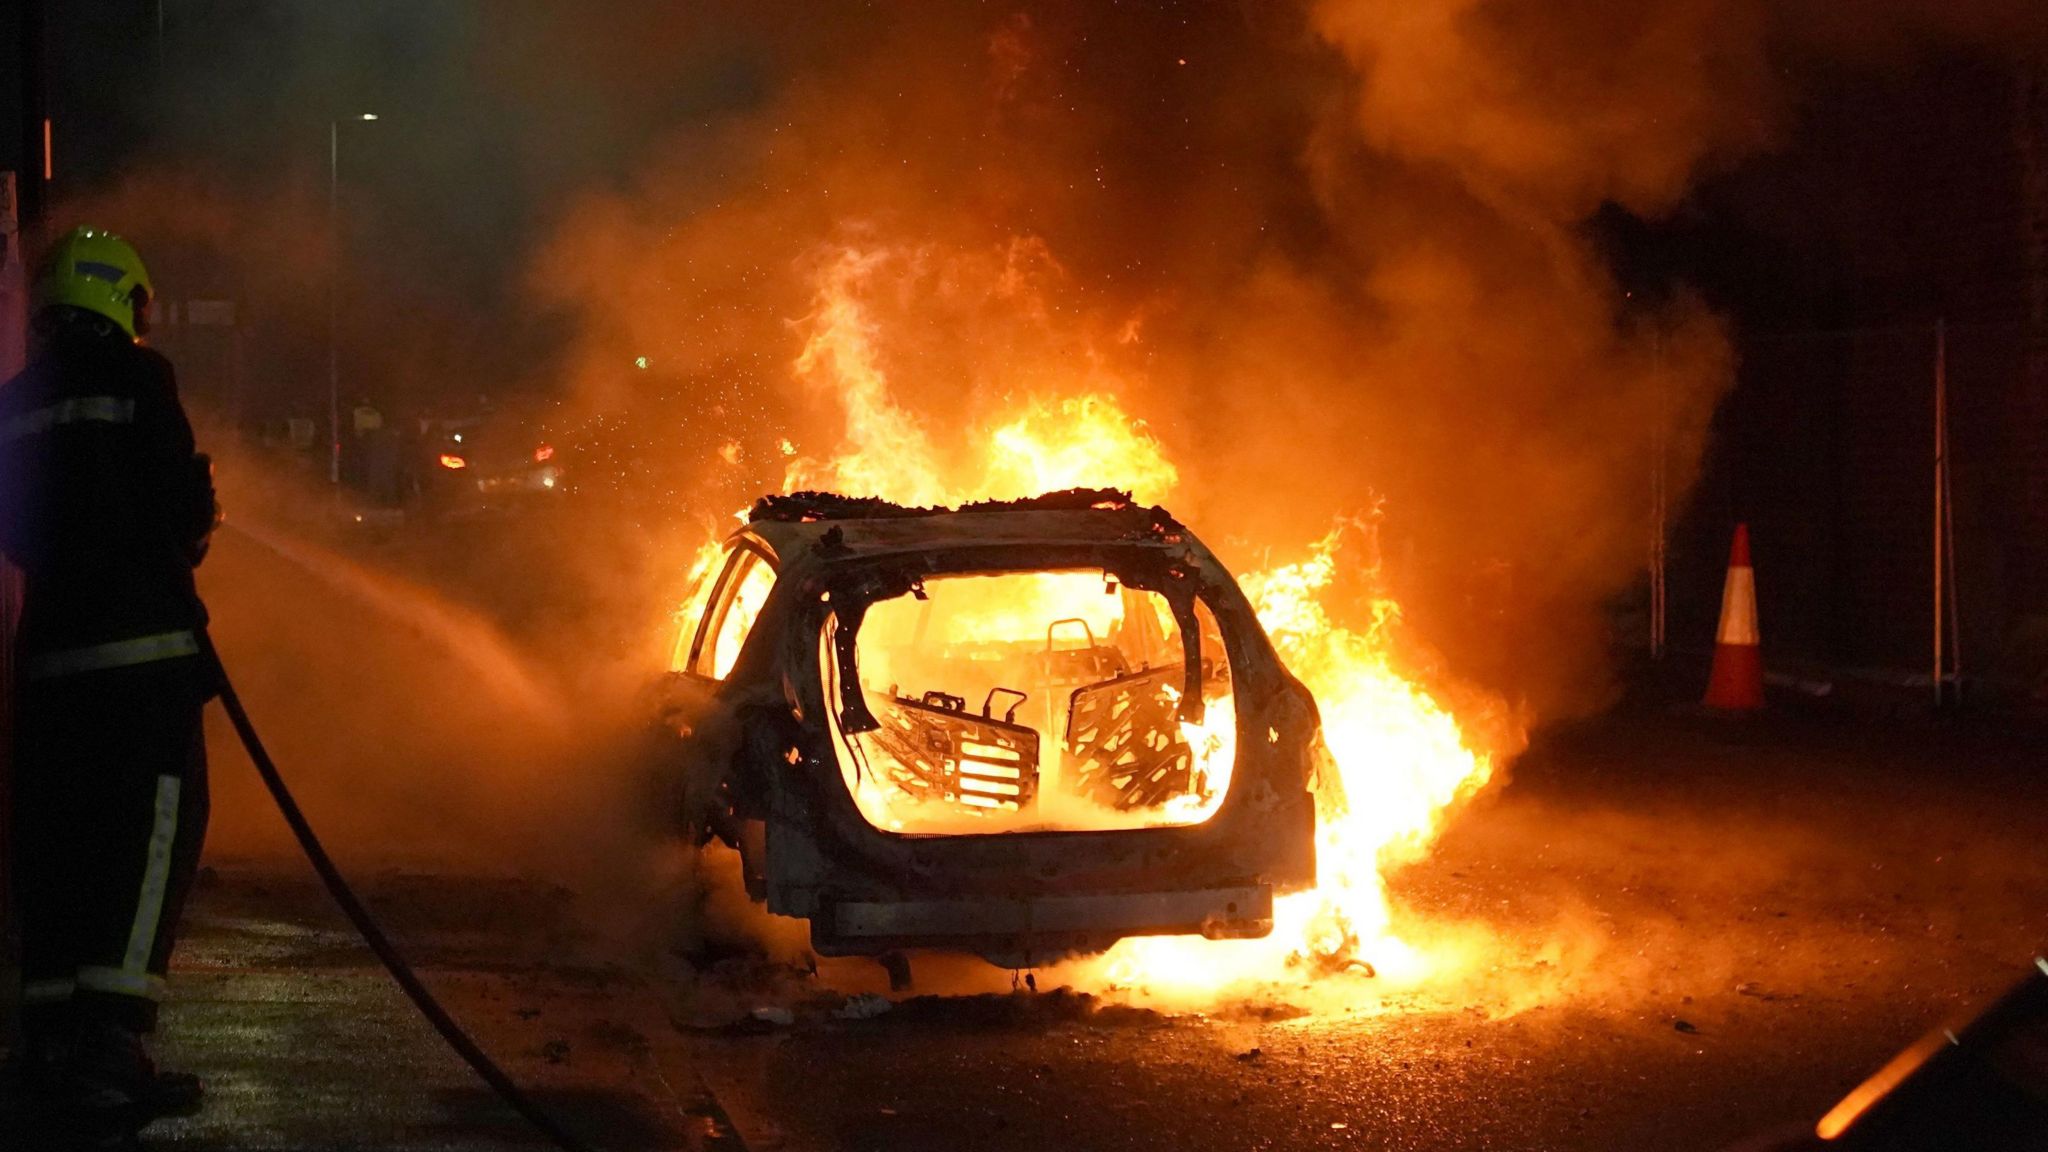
[1023, 1010]
[1757, 991]
[865, 1006]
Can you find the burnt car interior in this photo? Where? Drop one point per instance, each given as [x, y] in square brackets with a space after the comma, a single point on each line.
[1009, 728]
[1030, 701]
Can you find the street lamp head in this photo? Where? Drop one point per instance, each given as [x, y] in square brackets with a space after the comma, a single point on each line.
[367, 116]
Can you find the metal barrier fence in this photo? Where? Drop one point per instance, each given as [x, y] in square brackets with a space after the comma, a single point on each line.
[1895, 481]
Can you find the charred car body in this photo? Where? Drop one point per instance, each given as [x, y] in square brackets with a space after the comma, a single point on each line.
[1022, 729]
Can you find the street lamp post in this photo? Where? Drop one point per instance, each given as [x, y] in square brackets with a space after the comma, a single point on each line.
[333, 294]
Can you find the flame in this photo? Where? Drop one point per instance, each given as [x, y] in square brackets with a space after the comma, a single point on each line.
[1074, 443]
[704, 569]
[1045, 443]
[1397, 758]
[894, 454]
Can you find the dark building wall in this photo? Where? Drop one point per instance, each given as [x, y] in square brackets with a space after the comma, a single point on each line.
[1922, 204]
[2030, 407]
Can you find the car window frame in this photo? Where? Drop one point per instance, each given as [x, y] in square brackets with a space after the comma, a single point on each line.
[719, 605]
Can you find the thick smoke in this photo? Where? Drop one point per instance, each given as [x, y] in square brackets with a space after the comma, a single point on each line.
[1520, 400]
[1334, 254]
[1338, 257]
[1326, 285]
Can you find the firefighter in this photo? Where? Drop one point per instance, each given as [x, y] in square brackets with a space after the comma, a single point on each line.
[107, 509]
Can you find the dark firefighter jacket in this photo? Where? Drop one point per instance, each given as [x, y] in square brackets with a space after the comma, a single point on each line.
[104, 505]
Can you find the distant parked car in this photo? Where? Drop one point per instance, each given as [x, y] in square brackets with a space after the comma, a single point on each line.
[485, 463]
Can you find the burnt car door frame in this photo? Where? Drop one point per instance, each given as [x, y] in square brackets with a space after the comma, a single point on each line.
[724, 590]
[713, 798]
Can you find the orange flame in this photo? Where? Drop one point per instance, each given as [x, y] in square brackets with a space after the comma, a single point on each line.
[1398, 759]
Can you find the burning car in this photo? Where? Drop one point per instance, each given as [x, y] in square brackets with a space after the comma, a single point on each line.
[1024, 729]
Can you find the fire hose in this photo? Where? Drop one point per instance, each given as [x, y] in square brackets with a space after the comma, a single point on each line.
[366, 926]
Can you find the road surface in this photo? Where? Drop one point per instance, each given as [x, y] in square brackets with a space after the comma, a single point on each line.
[1688, 931]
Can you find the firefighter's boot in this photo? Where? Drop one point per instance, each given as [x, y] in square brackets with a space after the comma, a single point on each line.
[103, 1077]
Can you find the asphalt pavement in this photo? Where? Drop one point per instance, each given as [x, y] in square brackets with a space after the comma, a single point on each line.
[1677, 932]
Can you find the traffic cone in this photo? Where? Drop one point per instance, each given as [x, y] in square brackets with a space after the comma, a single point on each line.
[1737, 681]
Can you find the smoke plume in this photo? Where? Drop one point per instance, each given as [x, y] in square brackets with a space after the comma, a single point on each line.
[1333, 254]
[1333, 258]
[1337, 257]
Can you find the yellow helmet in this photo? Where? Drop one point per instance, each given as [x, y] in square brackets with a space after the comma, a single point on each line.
[98, 271]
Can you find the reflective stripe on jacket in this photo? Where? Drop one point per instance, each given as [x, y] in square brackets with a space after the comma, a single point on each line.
[82, 409]
[119, 654]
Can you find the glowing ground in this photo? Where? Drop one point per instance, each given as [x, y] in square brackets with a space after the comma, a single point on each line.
[1699, 931]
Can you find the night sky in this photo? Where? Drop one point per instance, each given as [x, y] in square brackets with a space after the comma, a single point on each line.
[490, 124]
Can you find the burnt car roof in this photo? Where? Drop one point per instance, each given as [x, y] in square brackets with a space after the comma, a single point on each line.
[806, 507]
[830, 526]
